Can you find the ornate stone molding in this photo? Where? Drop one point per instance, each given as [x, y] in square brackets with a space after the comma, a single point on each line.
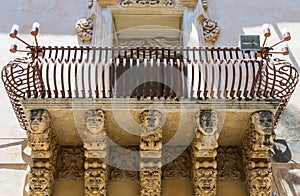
[84, 29]
[147, 3]
[71, 163]
[42, 141]
[257, 142]
[229, 161]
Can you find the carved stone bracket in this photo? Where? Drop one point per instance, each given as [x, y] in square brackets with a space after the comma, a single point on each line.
[204, 152]
[257, 142]
[150, 153]
[42, 141]
[95, 152]
[84, 29]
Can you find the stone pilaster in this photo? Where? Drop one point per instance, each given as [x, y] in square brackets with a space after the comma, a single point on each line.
[42, 141]
[95, 152]
[204, 152]
[257, 142]
[150, 153]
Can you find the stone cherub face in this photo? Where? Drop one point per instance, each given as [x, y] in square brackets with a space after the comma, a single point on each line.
[94, 120]
[261, 180]
[94, 182]
[39, 182]
[151, 119]
[39, 121]
[207, 122]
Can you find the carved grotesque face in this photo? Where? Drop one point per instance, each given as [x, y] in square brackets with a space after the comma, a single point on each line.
[39, 121]
[151, 118]
[95, 121]
[264, 125]
[94, 182]
[261, 181]
[207, 122]
[39, 182]
[207, 181]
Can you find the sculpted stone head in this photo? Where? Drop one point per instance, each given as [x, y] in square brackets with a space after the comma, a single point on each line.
[39, 120]
[207, 122]
[206, 180]
[263, 123]
[94, 120]
[40, 181]
[261, 181]
[95, 181]
[151, 119]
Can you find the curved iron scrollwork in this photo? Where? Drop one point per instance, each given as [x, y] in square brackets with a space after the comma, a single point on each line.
[21, 79]
[278, 79]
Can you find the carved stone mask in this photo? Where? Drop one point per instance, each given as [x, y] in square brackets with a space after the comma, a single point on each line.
[39, 182]
[94, 182]
[94, 120]
[151, 118]
[39, 121]
[207, 122]
[207, 181]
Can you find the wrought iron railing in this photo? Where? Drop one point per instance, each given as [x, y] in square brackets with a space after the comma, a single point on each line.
[203, 73]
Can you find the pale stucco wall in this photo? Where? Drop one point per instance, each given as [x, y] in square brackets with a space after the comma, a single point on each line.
[57, 19]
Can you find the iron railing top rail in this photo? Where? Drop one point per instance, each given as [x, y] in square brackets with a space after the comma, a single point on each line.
[196, 73]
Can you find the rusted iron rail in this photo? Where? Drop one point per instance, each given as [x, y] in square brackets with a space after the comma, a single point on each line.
[193, 73]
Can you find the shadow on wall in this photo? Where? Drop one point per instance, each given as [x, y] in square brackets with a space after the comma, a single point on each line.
[281, 152]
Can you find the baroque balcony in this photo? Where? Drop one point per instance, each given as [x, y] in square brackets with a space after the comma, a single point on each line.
[148, 73]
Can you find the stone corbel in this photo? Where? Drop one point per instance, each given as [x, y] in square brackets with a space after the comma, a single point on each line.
[257, 142]
[95, 147]
[210, 29]
[42, 141]
[150, 153]
[204, 152]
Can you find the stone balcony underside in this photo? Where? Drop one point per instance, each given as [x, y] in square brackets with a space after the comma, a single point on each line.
[122, 124]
